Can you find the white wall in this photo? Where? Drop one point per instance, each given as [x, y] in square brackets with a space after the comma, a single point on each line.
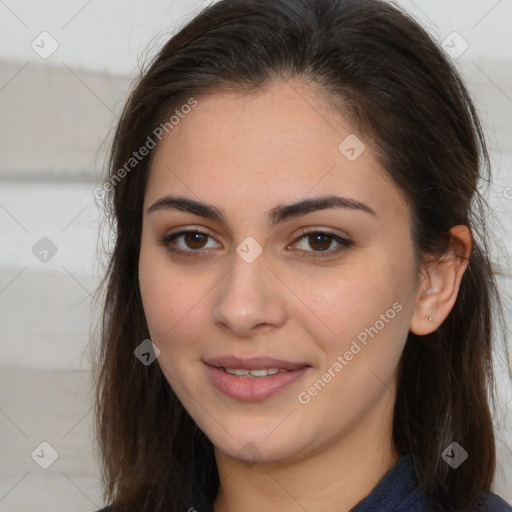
[110, 35]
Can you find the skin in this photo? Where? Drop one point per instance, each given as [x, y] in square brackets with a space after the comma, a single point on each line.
[330, 453]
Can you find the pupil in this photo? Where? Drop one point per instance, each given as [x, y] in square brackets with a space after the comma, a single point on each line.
[319, 238]
[194, 240]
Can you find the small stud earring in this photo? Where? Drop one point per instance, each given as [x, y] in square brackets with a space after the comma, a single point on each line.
[429, 318]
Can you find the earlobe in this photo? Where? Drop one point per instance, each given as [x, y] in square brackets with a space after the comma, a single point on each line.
[439, 286]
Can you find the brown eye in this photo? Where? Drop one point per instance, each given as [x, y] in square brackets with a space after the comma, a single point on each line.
[195, 240]
[321, 242]
[188, 243]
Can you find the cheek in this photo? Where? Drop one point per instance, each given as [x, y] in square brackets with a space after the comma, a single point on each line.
[352, 298]
[369, 316]
[363, 309]
[163, 293]
[154, 290]
[173, 301]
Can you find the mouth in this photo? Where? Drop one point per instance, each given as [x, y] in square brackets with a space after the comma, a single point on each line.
[254, 364]
[253, 379]
[253, 374]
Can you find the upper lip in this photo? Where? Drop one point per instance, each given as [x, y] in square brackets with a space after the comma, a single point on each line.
[253, 363]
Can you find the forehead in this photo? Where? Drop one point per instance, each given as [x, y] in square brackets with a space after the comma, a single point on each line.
[273, 146]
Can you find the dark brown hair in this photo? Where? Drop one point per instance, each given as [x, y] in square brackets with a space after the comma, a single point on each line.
[378, 68]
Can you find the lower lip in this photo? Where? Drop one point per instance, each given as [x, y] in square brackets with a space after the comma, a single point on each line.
[253, 390]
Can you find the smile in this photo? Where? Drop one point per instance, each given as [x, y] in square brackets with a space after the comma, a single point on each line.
[253, 373]
[253, 380]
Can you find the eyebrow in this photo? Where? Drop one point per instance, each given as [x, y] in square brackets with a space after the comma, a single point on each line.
[275, 215]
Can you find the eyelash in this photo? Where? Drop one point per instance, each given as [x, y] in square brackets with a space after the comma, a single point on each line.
[344, 243]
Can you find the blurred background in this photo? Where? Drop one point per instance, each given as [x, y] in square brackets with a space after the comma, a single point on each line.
[65, 71]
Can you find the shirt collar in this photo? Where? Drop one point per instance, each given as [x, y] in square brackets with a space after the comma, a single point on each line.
[399, 484]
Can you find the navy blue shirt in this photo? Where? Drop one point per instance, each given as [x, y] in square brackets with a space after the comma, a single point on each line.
[397, 491]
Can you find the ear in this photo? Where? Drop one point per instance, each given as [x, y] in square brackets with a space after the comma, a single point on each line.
[439, 285]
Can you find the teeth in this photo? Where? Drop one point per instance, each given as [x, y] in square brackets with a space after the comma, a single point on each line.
[237, 372]
[254, 373]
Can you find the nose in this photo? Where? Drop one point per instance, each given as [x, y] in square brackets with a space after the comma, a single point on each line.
[250, 298]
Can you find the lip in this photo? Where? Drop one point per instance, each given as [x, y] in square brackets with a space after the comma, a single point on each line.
[253, 363]
[253, 389]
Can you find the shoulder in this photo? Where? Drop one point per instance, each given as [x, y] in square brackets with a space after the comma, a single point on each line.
[493, 503]
[418, 502]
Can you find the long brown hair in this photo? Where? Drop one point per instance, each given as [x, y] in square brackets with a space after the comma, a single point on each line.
[383, 72]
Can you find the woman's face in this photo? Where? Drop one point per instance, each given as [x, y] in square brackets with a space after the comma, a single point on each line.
[326, 289]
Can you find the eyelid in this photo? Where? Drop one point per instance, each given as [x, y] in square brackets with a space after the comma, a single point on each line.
[169, 237]
[323, 231]
[343, 242]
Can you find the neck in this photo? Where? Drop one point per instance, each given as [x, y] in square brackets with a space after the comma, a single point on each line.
[334, 478]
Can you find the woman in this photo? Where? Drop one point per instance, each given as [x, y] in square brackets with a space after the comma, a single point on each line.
[299, 305]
